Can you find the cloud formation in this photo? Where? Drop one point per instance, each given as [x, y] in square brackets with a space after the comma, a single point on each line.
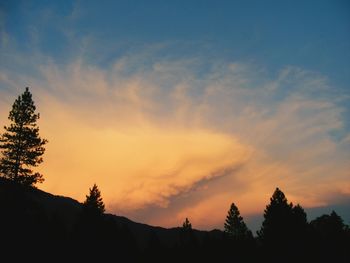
[171, 138]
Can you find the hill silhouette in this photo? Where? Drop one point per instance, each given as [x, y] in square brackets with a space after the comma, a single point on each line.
[25, 208]
[68, 209]
[36, 225]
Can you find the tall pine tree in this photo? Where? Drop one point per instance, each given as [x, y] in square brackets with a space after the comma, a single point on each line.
[277, 217]
[22, 147]
[284, 227]
[234, 225]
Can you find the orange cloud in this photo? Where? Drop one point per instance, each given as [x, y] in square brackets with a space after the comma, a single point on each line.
[150, 135]
[134, 166]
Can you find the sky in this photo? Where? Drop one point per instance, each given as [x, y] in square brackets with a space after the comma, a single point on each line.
[178, 108]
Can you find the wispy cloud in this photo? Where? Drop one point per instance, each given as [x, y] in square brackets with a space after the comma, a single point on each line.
[149, 131]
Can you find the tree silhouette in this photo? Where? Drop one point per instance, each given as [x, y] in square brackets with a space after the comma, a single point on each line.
[91, 229]
[299, 215]
[234, 225]
[284, 226]
[331, 238]
[237, 236]
[299, 222]
[21, 144]
[276, 217]
[93, 204]
[188, 242]
[329, 227]
[187, 225]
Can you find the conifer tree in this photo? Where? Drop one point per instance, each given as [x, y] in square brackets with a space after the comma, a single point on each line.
[188, 239]
[93, 232]
[22, 147]
[284, 227]
[277, 217]
[234, 225]
[93, 204]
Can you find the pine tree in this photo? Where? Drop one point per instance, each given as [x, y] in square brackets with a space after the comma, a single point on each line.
[234, 225]
[93, 232]
[284, 226]
[277, 217]
[93, 204]
[188, 240]
[21, 144]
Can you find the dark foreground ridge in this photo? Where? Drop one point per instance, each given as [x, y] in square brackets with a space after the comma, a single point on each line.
[36, 225]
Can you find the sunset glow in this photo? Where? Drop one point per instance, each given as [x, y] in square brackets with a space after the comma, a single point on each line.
[169, 136]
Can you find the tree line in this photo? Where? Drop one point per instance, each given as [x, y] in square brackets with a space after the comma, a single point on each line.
[285, 234]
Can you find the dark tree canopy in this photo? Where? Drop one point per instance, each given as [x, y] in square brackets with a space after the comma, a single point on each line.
[234, 225]
[21, 144]
[329, 225]
[93, 204]
[330, 238]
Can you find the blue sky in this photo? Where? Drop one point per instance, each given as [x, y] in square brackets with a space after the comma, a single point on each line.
[270, 79]
[310, 34]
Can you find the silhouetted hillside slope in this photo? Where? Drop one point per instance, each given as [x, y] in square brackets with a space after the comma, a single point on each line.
[35, 225]
[167, 236]
[30, 204]
[15, 197]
